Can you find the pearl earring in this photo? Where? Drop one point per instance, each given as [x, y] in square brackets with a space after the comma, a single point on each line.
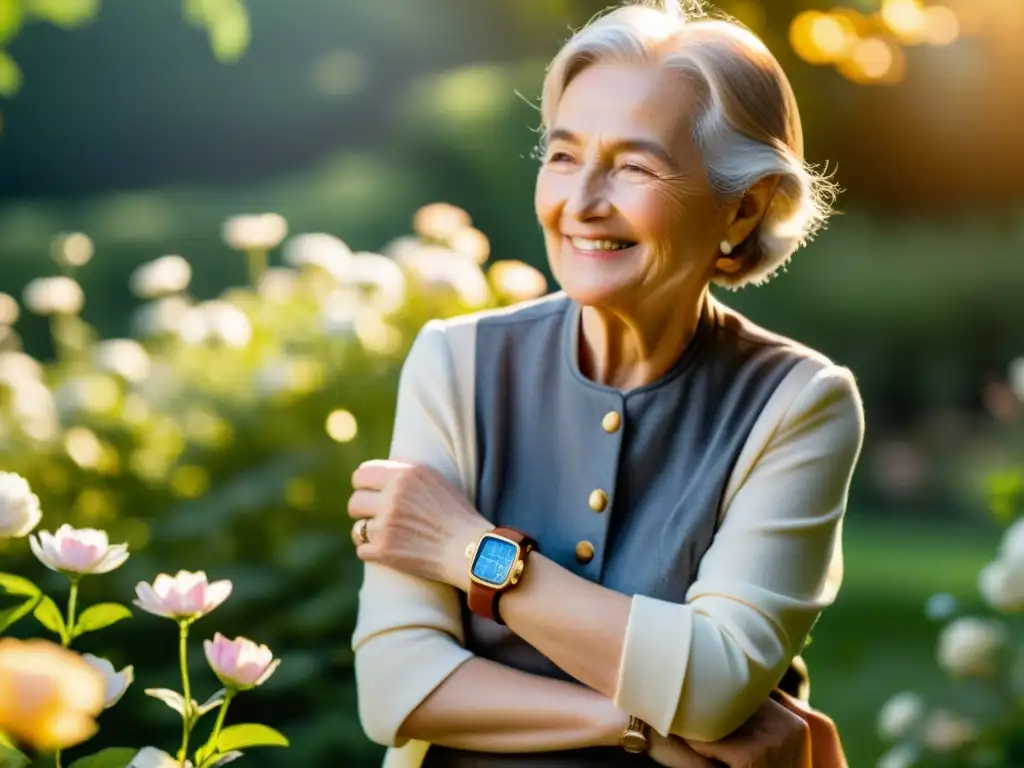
[725, 247]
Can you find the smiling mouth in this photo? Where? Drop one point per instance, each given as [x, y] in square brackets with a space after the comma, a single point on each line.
[597, 247]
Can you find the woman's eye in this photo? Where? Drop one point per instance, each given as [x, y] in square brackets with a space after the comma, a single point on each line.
[634, 168]
[559, 157]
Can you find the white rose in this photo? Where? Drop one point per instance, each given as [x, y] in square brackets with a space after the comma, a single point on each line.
[971, 646]
[1001, 584]
[19, 507]
[900, 715]
[1011, 550]
[151, 757]
[902, 756]
[946, 732]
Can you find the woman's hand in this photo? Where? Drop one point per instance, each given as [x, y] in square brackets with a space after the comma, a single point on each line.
[673, 752]
[826, 746]
[410, 518]
[774, 736]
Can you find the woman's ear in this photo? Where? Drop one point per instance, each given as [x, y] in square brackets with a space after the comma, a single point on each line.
[751, 208]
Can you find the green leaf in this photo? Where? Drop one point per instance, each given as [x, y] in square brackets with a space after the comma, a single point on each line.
[112, 757]
[10, 19]
[64, 13]
[10, 75]
[100, 616]
[48, 614]
[16, 585]
[229, 32]
[172, 699]
[247, 735]
[13, 758]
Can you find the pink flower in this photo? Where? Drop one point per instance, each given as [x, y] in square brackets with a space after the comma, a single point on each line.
[81, 551]
[184, 596]
[239, 663]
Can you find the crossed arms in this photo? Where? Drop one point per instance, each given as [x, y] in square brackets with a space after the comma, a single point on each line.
[696, 670]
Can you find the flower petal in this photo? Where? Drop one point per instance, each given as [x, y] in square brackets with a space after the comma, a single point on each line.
[114, 558]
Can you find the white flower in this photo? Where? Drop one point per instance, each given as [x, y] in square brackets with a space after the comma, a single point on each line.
[438, 268]
[216, 320]
[74, 249]
[439, 221]
[471, 243]
[380, 274]
[185, 595]
[160, 317]
[1001, 584]
[151, 757]
[255, 232]
[78, 550]
[160, 277]
[8, 309]
[946, 732]
[317, 249]
[1011, 549]
[19, 507]
[278, 285]
[54, 296]
[17, 367]
[971, 646]
[123, 357]
[902, 756]
[900, 715]
[517, 280]
[116, 682]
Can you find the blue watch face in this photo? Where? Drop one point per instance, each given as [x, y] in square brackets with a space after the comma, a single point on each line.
[494, 559]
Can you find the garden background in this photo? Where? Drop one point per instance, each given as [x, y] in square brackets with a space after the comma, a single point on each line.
[145, 126]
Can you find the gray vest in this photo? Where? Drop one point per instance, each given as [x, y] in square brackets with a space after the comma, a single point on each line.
[621, 488]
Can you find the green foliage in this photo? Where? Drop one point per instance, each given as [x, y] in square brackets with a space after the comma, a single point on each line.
[226, 23]
[230, 450]
[100, 616]
[112, 757]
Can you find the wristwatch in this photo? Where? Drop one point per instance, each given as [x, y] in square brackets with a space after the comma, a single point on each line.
[634, 738]
[496, 564]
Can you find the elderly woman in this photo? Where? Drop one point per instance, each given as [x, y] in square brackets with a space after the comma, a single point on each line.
[611, 516]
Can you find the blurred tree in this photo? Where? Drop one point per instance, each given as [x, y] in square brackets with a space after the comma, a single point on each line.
[226, 23]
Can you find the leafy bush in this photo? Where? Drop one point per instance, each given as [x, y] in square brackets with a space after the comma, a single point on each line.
[223, 436]
[980, 722]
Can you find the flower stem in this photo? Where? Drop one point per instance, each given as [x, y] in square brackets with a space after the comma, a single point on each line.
[257, 263]
[212, 743]
[72, 605]
[186, 690]
[66, 640]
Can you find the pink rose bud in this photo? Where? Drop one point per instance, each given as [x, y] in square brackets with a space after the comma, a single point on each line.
[79, 551]
[183, 596]
[239, 663]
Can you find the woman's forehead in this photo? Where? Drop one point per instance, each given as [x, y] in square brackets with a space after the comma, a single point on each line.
[622, 101]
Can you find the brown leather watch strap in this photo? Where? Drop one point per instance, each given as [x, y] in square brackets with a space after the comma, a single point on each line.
[482, 599]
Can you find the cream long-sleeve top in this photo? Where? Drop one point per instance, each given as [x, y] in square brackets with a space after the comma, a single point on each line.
[714, 497]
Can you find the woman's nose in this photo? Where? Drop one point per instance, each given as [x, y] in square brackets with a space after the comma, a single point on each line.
[589, 196]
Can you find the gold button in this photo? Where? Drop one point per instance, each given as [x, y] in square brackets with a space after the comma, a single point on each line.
[598, 500]
[611, 421]
[584, 552]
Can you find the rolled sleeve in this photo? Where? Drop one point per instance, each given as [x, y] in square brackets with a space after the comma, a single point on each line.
[699, 670]
[409, 636]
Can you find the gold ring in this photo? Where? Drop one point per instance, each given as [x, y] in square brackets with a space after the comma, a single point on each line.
[363, 535]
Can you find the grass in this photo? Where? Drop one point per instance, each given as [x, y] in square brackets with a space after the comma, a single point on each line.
[877, 640]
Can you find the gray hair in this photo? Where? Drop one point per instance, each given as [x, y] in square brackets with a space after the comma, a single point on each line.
[748, 127]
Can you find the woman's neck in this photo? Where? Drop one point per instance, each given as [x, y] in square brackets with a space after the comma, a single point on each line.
[628, 349]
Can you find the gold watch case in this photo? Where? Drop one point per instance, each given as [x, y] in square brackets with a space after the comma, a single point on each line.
[515, 572]
[634, 738]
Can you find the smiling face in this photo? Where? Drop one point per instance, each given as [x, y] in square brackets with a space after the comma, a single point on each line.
[622, 196]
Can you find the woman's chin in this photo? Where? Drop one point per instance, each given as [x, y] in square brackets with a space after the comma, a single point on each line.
[594, 294]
